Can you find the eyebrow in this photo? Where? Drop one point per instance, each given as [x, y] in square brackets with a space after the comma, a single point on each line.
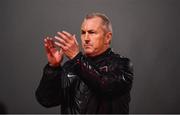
[87, 30]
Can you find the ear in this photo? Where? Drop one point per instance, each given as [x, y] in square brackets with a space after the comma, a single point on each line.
[108, 38]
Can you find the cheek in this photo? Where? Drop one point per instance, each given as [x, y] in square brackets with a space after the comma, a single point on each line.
[96, 44]
[82, 40]
[95, 40]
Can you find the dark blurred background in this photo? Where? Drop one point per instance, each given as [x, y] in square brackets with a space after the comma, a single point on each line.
[146, 31]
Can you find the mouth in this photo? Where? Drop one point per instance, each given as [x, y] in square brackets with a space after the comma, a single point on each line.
[87, 46]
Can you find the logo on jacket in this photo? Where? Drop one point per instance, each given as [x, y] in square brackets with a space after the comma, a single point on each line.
[71, 75]
[104, 69]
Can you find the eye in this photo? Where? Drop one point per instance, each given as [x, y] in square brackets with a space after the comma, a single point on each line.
[83, 32]
[91, 32]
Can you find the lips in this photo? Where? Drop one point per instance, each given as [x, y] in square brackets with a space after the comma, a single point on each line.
[86, 46]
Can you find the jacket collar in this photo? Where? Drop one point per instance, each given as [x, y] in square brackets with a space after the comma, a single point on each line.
[101, 56]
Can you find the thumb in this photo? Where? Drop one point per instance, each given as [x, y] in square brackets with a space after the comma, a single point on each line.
[74, 37]
[61, 52]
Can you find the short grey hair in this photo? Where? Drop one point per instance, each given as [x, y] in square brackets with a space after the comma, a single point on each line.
[105, 20]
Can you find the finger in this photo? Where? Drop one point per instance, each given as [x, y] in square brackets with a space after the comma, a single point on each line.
[46, 43]
[67, 34]
[49, 45]
[62, 41]
[46, 40]
[61, 46]
[46, 46]
[74, 37]
[63, 36]
[61, 52]
[47, 49]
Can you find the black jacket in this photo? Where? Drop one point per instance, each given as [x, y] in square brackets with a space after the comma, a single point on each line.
[88, 85]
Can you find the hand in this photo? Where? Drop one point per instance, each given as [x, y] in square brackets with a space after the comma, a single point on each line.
[68, 43]
[54, 56]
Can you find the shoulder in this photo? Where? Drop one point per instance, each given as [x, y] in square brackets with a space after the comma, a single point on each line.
[122, 62]
[119, 58]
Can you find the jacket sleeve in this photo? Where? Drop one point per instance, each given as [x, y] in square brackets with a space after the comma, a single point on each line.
[117, 81]
[48, 92]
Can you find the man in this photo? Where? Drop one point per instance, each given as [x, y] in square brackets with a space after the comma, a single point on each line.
[95, 81]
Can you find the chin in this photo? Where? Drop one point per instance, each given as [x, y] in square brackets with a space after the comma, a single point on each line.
[88, 52]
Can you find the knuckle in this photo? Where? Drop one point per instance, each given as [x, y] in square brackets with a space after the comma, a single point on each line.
[68, 46]
[65, 48]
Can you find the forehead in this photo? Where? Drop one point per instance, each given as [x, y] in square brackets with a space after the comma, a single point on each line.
[92, 23]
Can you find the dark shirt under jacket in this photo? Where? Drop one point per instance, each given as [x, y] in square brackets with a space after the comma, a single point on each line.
[100, 84]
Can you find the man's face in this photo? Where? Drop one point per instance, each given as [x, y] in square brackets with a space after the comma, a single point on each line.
[93, 37]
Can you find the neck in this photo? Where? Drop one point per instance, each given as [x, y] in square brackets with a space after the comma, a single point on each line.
[95, 55]
[99, 54]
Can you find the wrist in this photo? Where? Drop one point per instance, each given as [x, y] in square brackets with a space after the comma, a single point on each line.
[72, 57]
[53, 65]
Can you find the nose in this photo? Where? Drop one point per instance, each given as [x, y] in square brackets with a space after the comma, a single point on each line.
[86, 37]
